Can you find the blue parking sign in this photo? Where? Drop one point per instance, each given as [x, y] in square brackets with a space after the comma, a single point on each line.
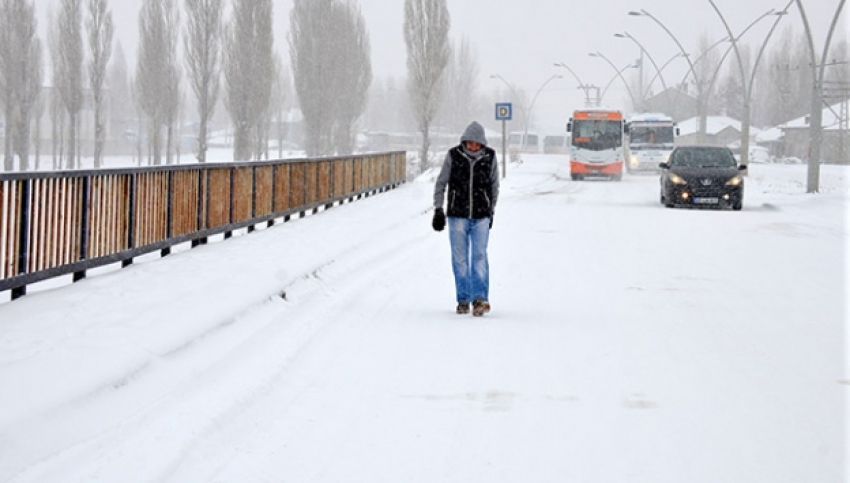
[504, 111]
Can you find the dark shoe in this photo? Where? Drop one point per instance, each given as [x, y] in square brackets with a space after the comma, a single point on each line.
[462, 308]
[480, 307]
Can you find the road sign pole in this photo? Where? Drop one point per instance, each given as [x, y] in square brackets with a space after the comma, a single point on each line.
[504, 144]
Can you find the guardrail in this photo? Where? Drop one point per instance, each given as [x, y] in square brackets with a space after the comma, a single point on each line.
[59, 223]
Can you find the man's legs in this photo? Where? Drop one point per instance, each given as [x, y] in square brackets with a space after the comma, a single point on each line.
[459, 241]
[479, 235]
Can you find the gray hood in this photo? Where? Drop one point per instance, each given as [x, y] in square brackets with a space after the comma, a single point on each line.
[474, 132]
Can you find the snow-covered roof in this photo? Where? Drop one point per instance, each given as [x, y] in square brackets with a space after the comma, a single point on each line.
[769, 135]
[714, 125]
[829, 121]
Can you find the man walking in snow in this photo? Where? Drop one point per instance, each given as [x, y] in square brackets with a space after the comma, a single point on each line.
[471, 174]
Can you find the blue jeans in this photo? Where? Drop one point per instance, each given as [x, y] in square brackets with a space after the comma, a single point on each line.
[468, 239]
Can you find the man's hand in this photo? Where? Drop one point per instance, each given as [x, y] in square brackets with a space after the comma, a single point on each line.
[439, 221]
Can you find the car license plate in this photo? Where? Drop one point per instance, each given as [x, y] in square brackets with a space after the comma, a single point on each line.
[707, 201]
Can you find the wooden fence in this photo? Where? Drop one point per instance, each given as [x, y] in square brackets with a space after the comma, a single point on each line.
[59, 223]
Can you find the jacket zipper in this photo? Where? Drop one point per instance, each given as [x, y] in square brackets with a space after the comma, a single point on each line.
[471, 182]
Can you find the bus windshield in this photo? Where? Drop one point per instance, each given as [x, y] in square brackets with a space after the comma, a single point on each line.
[651, 136]
[597, 135]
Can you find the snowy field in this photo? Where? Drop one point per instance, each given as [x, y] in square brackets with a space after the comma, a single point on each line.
[627, 343]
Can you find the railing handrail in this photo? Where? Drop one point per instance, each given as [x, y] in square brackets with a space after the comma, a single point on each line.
[58, 222]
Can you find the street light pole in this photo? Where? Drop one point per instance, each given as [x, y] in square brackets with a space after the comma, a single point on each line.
[701, 101]
[670, 106]
[619, 73]
[533, 100]
[626, 35]
[581, 85]
[613, 78]
[816, 116]
[747, 84]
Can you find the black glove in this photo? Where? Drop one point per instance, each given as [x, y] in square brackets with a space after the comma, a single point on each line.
[492, 215]
[439, 221]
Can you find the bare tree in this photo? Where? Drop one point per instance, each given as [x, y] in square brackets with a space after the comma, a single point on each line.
[173, 94]
[309, 47]
[100, 28]
[56, 107]
[121, 105]
[353, 72]
[248, 68]
[460, 86]
[330, 54]
[20, 76]
[70, 68]
[157, 74]
[279, 101]
[786, 75]
[732, 89]
[426, 34]
[203, 60]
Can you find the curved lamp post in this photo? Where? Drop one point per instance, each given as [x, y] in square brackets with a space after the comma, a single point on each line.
[659, 76]
[614, 77]
[534, 100]
[581, 85]
[619, 73]
[748, 83]
[701, 98]
[626, 35]
[816, 117]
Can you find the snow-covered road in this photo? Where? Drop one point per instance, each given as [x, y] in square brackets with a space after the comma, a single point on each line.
[627, 342]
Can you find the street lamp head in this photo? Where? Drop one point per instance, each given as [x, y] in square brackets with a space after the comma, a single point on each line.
[636, 14]
[593, 54]
[781, 13]
[622, 36]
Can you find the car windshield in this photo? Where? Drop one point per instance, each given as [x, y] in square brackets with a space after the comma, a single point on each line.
[704, 158]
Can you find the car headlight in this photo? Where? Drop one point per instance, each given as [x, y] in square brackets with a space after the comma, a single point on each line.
[736, 181]
[676, 179]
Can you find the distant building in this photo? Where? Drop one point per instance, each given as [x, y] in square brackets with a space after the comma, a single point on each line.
[676, 103]
[795, 136]
[719, 131]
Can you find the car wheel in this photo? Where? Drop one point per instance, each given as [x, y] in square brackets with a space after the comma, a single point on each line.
[738, 205]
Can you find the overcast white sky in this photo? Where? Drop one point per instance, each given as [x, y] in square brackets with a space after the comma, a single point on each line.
[521, 40]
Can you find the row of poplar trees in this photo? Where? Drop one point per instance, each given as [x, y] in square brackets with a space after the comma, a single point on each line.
[224, 56]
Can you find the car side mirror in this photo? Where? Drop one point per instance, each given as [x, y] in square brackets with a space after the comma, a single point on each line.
[663, 165]
[742, 167]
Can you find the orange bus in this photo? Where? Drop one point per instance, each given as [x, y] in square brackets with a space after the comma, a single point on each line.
[597, 148]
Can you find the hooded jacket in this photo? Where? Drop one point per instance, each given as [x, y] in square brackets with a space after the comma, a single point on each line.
[472, 178]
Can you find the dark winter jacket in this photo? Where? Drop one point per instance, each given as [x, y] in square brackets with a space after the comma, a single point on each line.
[472, 178]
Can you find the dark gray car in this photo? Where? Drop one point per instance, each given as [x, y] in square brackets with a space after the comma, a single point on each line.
[702, 176]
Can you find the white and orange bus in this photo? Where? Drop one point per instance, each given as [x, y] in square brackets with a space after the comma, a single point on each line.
[597, 143]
